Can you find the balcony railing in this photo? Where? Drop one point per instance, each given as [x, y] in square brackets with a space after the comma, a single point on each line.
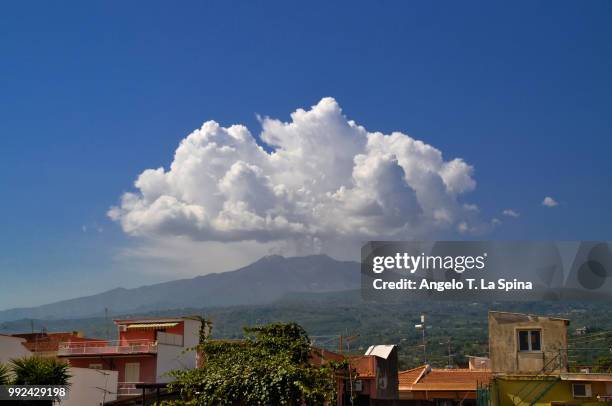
[107, 347]
[128, 389]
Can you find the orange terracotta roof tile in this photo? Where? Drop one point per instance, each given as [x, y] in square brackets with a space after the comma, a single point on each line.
[442, 379]
[463, 378]
[49, 342]
[410, 376]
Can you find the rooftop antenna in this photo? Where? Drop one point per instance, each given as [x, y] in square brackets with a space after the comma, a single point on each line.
[423, 327]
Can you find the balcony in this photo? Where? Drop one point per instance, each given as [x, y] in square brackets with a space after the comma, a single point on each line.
[128, 389]
[68, 349]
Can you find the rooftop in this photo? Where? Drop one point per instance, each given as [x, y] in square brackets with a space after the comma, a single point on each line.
[411, 376]
[382, 351]
[426, 378]
[529, 316]
[152, 320]
[564, 376]
[50, 342]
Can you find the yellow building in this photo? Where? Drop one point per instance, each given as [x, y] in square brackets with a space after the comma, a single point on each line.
[554, 389]
[529, 361]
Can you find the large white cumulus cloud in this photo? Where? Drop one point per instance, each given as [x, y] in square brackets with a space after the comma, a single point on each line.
[327, 179]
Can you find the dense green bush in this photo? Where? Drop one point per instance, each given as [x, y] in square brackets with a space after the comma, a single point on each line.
[270, 367]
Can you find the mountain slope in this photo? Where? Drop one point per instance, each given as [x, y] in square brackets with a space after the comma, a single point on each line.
[264, 281]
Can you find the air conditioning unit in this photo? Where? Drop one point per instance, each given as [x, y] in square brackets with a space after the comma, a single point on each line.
[581, 390]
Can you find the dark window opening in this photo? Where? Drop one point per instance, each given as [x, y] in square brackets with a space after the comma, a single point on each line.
[523, 340]
[535, 340]
[582, 390]
[529, 340]
[579, 391]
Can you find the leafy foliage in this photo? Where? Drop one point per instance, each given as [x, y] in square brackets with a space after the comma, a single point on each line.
[335, 313]
[604, 363]
[5, 375]
[40, 371]
[270, 367]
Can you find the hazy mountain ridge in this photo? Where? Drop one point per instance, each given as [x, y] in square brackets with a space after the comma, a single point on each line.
[263, 281]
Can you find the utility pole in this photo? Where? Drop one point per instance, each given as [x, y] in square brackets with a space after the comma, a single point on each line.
[106, 323]
[345, 339]
[450, 355]
[423, 327]
[348, 341]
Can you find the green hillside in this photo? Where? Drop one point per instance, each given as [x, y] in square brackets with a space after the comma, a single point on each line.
[327, 316]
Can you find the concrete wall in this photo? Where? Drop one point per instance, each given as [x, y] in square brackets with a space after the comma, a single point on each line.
[503, 343]
[171, 357]
[478, 363]
[87, 387]
[12, 347]
[191, 332]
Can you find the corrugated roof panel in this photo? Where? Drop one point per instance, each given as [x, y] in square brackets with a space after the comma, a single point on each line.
[382, 351]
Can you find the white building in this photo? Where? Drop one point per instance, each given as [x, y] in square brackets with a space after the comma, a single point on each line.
[91, 387]
[12, 347]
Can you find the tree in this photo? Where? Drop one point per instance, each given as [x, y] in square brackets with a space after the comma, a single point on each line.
[40, 371]
[270, 367]
[5, 375]
[604, 363]
[35, 370]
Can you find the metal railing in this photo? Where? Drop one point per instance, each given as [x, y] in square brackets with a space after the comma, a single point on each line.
[107, 347]
[588, 359]
[534, 390]
[128, 389]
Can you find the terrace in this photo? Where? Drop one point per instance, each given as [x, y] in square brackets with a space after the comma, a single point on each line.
[107, 347]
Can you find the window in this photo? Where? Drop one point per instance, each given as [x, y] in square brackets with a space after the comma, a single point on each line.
[581, 390]
[95, 366]
[564, 404]
[132, 372]
[529, 340]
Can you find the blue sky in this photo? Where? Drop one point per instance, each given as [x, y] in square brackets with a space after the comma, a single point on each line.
[93, 94]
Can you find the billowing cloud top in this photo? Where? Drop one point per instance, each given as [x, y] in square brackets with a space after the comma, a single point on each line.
[327, 178]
